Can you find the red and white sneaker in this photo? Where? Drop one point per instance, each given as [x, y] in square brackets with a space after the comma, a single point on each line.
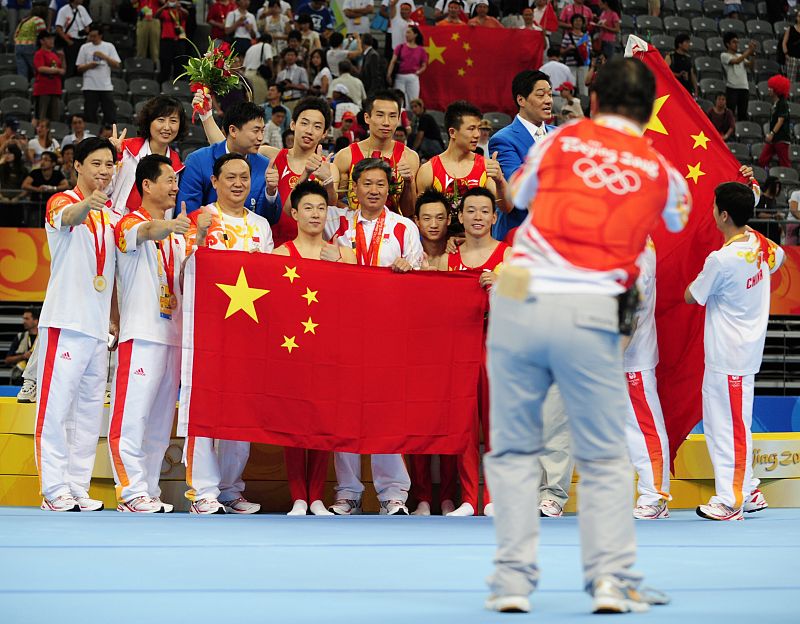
[651, 512]
[346, 507]
[61, 503]
[206, 507]
[550, 508]
[719, 511]
[165, 507]
[755, 502]
[141, 504]
[240, 506]
[89, 504]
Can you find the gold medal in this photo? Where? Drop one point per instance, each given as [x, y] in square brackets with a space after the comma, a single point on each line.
[173, 302]
[99, 283]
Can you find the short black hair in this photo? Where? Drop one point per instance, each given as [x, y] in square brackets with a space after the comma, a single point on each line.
[525, 81]
[336, 39]
[455, 113]
[371, 163]
[577, 16]
[92, 144]
[34, 312]
[681, 38]
[161, 106]
[296, 34]
[149, 168]
[304, 18]
[417, 34]
[384, 95]
[313, 103]
[554, 51]
[728, 37]
[309, 187]
[288, 51]
[241, 113]
[773, 184]
[431, 196]
[345, 66]
[220, 162]
[478, 191]
[74, 116]
[367, 39]
[737, 200]
[625, 86]
[95, 27]
[68, 147]
[51, 155]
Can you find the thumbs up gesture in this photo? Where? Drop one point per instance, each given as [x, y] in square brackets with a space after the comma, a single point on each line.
[314, 161]
[272, 178]
[493, 168]
[204, 220]
[181, 223]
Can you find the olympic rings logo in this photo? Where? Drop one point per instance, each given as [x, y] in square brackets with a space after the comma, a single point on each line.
[606, 175]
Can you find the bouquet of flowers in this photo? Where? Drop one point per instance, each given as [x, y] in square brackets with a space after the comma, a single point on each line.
[211, 72]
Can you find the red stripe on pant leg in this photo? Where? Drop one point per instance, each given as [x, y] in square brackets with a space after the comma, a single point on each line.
[295, 459]
[190, 440]
[317, 473]
[120, 394]
[739, 437]
[647, 425]
[53, 333]
[419, 468]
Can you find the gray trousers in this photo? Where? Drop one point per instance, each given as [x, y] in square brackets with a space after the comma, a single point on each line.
[555, 460]
[571, 340]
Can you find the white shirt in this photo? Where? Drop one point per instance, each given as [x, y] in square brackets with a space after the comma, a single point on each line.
[273, 135]
[141, 282]
[794, 197]
[396, 229]
[71, 301]
[558, 73]
[397, 25]
[73, 26]
[248, 233]
[241, 32]
[537, 132]
[256, 55]
[70, 139]
[357, 24]
[735, 75]
[97, 78]
[441, 5]
[37, 148]
[642, 351]
[734, 286]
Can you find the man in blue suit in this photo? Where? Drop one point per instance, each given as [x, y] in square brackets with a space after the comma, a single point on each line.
[533, 95]
[243, 124]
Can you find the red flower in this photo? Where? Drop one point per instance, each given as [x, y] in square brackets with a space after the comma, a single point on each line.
[224, 48]
[220, 63]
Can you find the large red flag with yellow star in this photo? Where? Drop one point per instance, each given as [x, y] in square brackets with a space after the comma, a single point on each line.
[322, 355]
[477, 64]
[682, 132]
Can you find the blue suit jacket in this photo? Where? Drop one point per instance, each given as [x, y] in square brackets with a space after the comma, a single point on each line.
[512, 144]
[195, 183]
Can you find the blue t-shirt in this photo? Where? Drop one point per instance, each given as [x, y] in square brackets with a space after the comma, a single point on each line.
[321, 20]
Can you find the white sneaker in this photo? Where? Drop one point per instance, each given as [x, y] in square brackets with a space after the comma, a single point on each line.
[241, 506]
[165, 507]
[300, 508]
[508, 604]
[393, 508]
[755, 502]
[141, 504]
[346, 507]
[89, 504]
[448, 507]
[719, 511]
[614, 596]
[550, 508]
[61, 503]
[317, 508]
[423, 509]
[651, 512]
[27, 393]
[206, 507]
[488, 510]
[464, 510]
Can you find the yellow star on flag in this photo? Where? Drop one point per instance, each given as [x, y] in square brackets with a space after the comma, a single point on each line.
[435, 53]
[291, 273]
[242, 296]
[700, 140]
[310, 296]
[655, 123]
[469, 62]
[309, 326]
[466, 47]
[455, 37]
[461, 72]
[694, 172]
[289, 343]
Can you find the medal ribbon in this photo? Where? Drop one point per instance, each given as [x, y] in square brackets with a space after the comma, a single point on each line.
[248, 231]
[99, 242]
[169, 267]
[369, 256]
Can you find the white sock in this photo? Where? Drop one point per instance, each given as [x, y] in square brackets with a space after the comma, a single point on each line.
[299, 508]
[318, 509]
[448, 506]
[423, 509]
[489, 510]
[465, 510]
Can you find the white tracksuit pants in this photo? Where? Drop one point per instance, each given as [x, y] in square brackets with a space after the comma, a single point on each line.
[727, 417]
[145, 390]
[647, 440]
[389, 474]
[32, 367]
[215, 473]
[71, 390]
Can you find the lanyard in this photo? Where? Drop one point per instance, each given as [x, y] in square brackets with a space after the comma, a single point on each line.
[247, 233]
[168, 267]
[369, 256]
[99, 248]
[735, 238]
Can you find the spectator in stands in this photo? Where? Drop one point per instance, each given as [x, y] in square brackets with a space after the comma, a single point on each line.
[45, 180]
[95, 60]
[10, 132]
[680, 62]
[654, 7]
[557, 71]
[576, 50]
[571, 106]
[357, 15]
[767, 210]
[346, 129]
[733, 9]
[68, 165]
[106, 131]
[17, 11]
[47, 86]
[355, 88]
[373, 66]
[148, 29]
[792, 225]
[79, 132]
[288, 139]
[25, 38]
[72, 27]
[576, 8]
[308, 36]
[776, 143]
[737, 87]
[270, 19]
[12, 173]
[426, 134]
[321, 17]
[411, 61]
[533, 18]
[272, 131]
[292, 78]
[598, 60]
[21, 348]
[342, 50]
[606, 27]
[319, 74]
[294, 41]
[440, 9]
[485, 128]
[482, 17]
[273, 102]
[455, 14]
[241, 25]
[215, 17]
[258, 67]
[42, 142]
[400, 135]
[791, 48]
[173, 29]
[722, 117]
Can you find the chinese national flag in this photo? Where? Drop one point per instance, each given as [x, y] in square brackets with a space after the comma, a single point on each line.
[682, 132]
[327, 356]
[549, 19]
[477, 64]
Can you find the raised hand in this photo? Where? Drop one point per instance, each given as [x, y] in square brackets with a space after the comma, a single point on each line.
[314, 161]
[404, 171]
[97, 200]
[116, 140]
[204, 219]
[181, 223]
[330, 253]
[493, 168]
[272, 178]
